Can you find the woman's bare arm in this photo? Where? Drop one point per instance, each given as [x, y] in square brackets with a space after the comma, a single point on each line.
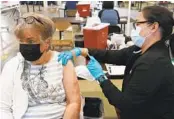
[72, 91]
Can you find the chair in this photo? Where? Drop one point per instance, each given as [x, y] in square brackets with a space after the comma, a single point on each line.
[61, 45]
[114, 29]
[71, 13]
[61, 25]
[68, 42]
[52, 11]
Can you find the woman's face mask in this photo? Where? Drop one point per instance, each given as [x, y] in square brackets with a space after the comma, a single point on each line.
[30, 52]
[137, 38]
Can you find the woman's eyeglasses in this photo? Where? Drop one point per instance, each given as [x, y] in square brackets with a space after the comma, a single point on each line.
[29, 20]
[138, 23]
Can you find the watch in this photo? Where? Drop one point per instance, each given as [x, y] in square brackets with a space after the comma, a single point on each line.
[101, 79]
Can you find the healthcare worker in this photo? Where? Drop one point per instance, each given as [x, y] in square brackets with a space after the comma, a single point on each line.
[148, 85]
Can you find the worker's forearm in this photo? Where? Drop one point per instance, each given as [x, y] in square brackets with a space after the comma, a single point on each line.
[112, 93]
[72, 111]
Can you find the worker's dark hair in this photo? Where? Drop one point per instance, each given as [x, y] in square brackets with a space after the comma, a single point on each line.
[171, 43]
[108, 5]
[163, 17]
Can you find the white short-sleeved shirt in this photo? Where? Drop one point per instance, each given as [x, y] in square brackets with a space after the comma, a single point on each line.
[46, 94]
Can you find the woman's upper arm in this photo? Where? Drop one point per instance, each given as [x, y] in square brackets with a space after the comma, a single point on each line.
[70, 83]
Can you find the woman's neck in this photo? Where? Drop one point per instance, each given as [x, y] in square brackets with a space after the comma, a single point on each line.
[149, 43]
[45, 58]
[145, 47]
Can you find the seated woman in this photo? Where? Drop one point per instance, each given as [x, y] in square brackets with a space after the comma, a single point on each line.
[108, 14]
[33, 85]
[70, 5]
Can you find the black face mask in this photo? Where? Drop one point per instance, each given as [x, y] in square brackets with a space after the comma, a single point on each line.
[30, 52]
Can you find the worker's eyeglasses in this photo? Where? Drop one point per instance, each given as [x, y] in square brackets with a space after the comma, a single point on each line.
[29, 20]
[138, 23]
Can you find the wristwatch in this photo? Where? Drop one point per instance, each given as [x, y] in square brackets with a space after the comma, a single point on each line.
[101, 79]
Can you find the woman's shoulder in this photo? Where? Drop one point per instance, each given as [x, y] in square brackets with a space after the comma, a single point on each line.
[54, 58]
[55, 54]
[155, 59]
[152, 57]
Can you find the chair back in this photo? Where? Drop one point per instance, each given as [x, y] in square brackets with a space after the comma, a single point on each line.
[62, 24]
[61, 45]
[71, 13]
[114, 29]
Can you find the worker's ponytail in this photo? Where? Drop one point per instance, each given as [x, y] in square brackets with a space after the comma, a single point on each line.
[171, 43]
[163, 17]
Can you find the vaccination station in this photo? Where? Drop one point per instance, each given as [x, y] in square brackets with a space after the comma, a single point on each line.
[87, 59]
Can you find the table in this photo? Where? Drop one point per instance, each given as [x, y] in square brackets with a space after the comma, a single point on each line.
[63, 9]
[28, 10]
[124, 22]
[72, 20]
[92, 89]
[139, 4]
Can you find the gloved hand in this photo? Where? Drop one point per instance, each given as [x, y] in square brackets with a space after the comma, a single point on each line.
[95, 68]
[68, 55]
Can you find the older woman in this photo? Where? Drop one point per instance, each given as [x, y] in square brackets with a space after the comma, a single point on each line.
[33, 85]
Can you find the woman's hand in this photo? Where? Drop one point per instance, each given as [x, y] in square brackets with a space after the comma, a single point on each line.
[95, 68]
[68, 55]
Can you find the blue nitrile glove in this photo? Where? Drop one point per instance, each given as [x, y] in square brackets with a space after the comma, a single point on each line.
[68, 55]
[95, 68]
[65, 57]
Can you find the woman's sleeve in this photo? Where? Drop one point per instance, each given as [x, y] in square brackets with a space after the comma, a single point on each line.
[118, 57]
[143, 84]
[6, 92]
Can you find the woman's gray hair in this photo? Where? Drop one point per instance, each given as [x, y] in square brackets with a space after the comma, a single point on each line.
[46, 28]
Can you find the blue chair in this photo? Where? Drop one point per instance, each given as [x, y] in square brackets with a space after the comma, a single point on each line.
[70, 5]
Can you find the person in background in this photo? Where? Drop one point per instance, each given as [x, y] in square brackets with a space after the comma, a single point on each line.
[70, 5]
[108, 14]
[148, 85]
[33, 85]
[52, 3]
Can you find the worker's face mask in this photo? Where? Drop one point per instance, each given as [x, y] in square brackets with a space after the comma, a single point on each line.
[30, 52]
[137, 38]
